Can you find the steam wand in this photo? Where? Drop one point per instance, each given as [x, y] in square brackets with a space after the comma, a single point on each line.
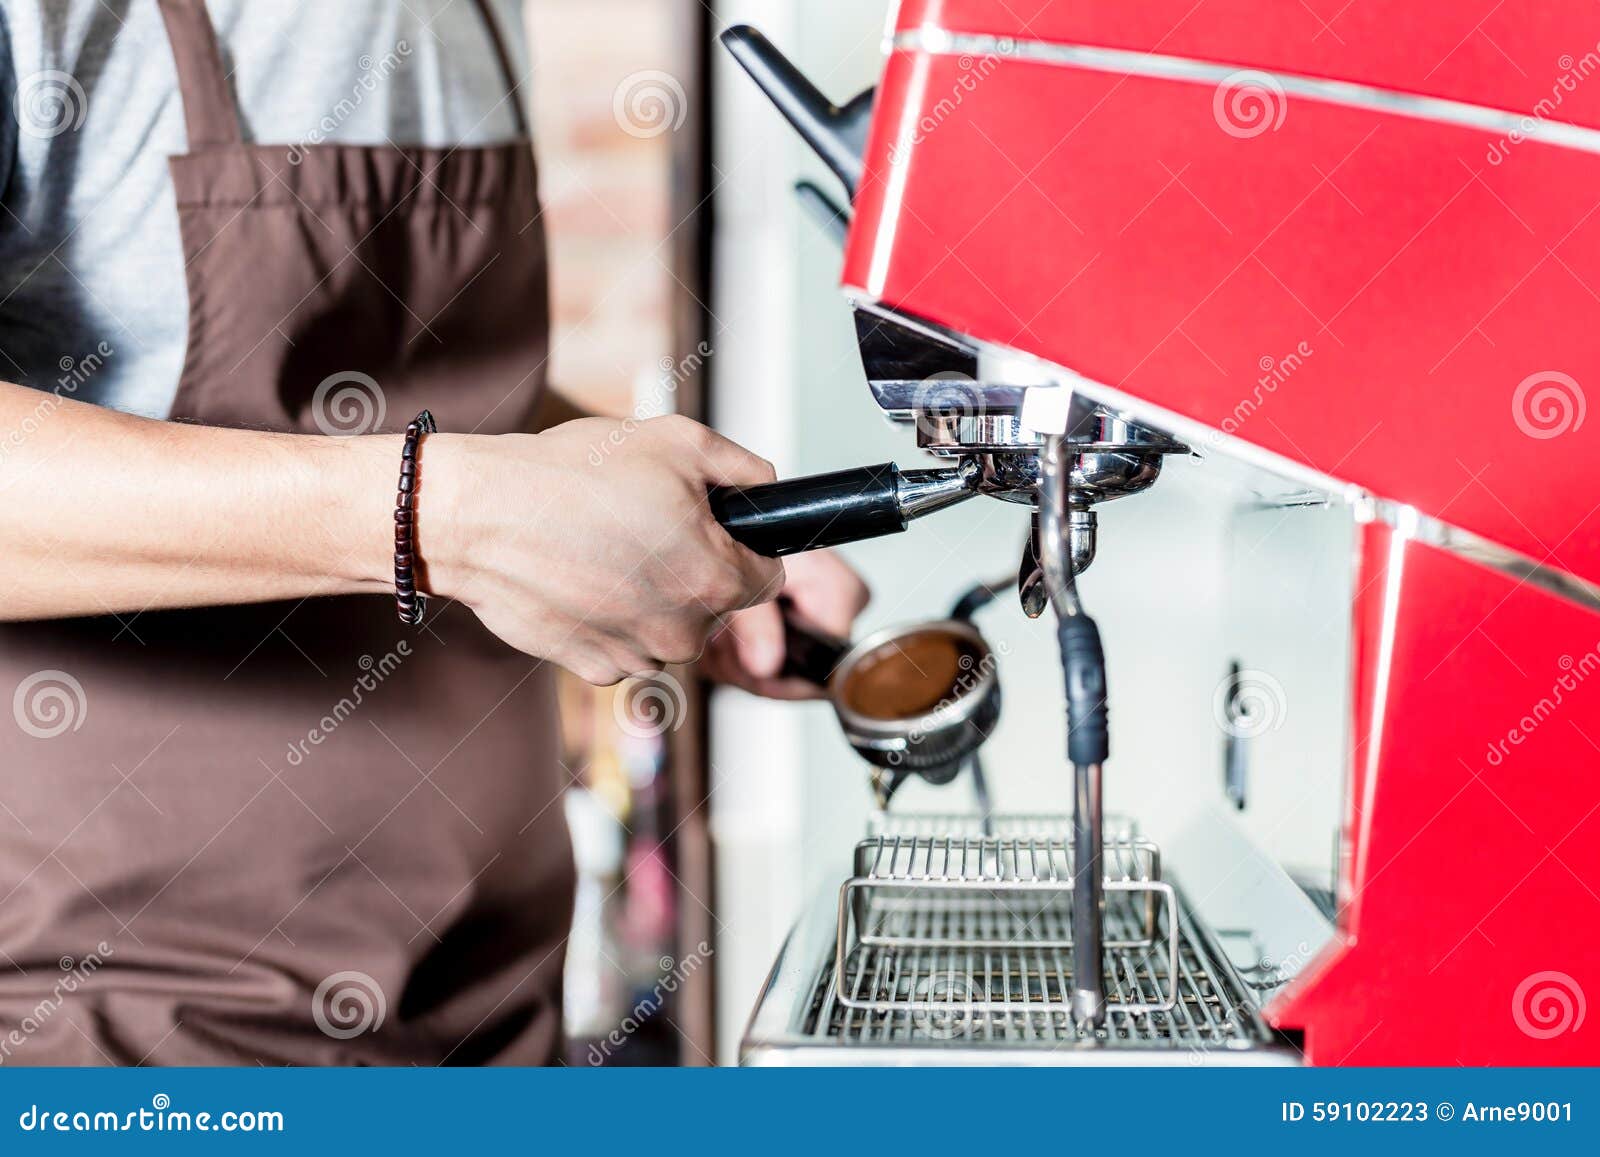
[1083, 665]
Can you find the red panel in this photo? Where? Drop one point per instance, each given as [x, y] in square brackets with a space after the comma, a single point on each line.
[1471, 922]
[1521, 57]
[1398, 303]
[1129, 237]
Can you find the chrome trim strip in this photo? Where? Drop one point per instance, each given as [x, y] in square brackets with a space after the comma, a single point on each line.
[1123, 62]
[1463, 543]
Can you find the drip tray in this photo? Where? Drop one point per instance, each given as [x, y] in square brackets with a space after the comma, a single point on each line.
[952, 944]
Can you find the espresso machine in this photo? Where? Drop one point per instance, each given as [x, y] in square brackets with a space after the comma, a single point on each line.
[1085, 255]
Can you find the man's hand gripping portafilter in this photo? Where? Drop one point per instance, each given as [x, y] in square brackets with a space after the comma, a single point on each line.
[1083, 666]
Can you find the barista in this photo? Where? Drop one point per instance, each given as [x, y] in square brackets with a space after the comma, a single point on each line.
[237, 778]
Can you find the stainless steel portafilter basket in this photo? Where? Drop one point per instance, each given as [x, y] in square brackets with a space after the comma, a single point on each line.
[918, 699]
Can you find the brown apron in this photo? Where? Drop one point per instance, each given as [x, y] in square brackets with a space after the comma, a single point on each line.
[300, 832]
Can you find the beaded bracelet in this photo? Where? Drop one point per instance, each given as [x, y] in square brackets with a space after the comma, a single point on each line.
[408, 599]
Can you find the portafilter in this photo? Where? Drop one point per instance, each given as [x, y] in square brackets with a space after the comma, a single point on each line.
[917, 699]
[912, 700]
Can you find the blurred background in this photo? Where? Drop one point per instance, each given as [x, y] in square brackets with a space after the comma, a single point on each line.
[687, 278]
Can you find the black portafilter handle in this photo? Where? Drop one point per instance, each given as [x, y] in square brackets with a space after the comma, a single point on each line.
[809, 652]
[1083, 662]
[801, 514]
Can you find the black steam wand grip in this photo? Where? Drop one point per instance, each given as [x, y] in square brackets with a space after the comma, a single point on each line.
[802, 514]
[1083, 662]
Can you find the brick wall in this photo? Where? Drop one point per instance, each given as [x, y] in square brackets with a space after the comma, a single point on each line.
[608, 105]
[607, 190]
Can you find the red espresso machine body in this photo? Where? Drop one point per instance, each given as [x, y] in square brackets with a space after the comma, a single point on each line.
[1167, 200]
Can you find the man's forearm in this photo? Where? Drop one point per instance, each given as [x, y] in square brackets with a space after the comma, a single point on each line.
[606, 568]
[105, 513]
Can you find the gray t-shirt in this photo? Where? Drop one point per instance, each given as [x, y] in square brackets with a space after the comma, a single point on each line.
[92, 292]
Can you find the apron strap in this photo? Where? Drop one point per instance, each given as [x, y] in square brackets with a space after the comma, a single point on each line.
[507, 69]
[209, 111]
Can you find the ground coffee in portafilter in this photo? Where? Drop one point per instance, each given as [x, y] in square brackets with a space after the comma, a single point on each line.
[911, 676]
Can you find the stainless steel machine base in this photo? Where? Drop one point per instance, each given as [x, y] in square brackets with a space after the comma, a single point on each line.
[998, 1002]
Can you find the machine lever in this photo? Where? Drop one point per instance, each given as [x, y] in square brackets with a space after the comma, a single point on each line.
[824, 210]
[839, 135]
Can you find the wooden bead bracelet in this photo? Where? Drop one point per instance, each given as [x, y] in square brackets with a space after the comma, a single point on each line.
[411, 602]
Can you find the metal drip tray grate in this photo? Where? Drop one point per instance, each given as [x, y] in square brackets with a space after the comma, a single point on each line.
[1007, 891]
[1002, 890]
[952, 936]
[1017, 995]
